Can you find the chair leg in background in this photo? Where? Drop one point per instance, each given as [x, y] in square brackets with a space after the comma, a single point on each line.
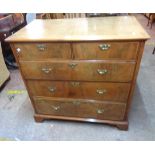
[153, 51]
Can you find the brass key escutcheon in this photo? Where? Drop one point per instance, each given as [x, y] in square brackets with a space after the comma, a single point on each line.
[75, 84]
[41, 47]
[76, 102]
[72, 65]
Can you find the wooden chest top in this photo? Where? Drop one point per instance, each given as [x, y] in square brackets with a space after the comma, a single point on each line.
[81, 29]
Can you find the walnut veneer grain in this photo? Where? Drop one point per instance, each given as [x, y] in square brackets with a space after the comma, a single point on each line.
[81, 69]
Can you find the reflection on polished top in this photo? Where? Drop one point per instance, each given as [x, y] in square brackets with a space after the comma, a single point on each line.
[80, 29]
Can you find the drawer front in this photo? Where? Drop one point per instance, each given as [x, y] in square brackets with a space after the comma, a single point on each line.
[34, 51]
[80, 108]
[82, 90]
[106, 50]
[78, 70]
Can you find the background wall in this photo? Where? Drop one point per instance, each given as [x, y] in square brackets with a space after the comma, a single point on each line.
[30, 17]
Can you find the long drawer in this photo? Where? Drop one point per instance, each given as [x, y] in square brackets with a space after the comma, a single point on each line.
[86, 50]
[82, 90]
[80, 108]
[105, 50]
[35, 51]
[119, 71]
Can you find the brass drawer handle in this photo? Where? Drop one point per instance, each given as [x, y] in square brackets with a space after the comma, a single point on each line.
[101, 91]
[104, 47]
[46, 70]
[41, 47]
[102, 71]
[76, 102]
[75, 84]
[72, 65]
[56, 107]
[100, 111]
[52, 89]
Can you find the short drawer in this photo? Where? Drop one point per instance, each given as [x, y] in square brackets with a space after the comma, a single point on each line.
[106, 50]
[83, 90]
[35, 51]
[118, 71]
[80, 108]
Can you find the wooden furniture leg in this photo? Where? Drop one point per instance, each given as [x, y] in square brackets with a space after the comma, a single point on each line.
[123, 126]
[38, 119]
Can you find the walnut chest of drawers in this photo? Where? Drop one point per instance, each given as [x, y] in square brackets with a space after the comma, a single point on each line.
[80, 69]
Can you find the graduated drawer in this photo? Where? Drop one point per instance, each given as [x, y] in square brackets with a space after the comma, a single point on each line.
[106, 50]
[80, 108]
[119, 71]
[83, 90]
[35, 51]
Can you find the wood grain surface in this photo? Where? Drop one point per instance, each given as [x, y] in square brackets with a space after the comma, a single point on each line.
[81, 29]
[83, 90]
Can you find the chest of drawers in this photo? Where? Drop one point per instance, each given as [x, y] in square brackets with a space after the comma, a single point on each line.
[80, 69]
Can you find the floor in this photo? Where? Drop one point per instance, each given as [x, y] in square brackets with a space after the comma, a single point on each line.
[16, 113]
